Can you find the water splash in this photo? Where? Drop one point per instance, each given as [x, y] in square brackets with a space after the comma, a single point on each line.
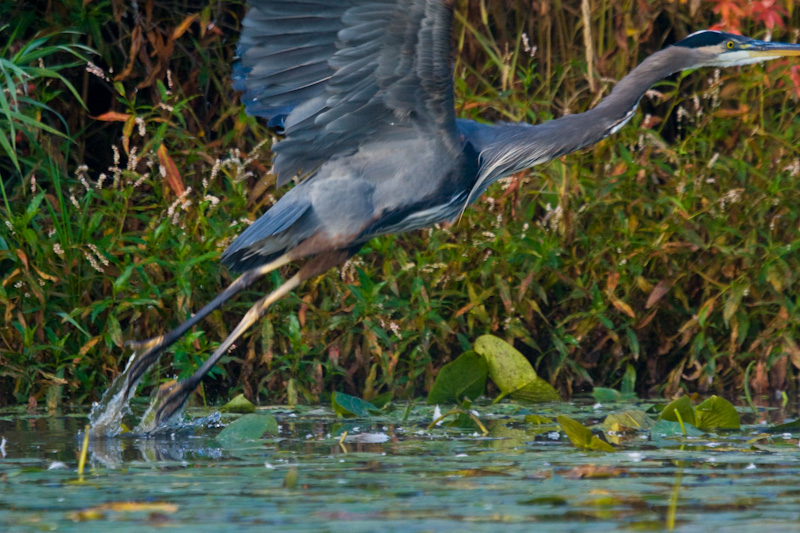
[106, 415]
[147, 425]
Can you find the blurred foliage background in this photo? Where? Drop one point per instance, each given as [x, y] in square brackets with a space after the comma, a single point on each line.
[128, 165]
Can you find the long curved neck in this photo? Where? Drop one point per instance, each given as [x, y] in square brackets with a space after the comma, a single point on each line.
[508, 148]
[618, 107]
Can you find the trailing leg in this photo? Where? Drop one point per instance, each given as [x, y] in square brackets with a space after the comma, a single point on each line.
[171, 399]
[155, 346]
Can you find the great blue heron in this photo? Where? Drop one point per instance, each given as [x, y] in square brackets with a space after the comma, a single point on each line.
[363, 90]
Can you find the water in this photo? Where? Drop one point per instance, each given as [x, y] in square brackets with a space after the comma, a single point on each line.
[390, 474]
[107, 416]
[111, 415]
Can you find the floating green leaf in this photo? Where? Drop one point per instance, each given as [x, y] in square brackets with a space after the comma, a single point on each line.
[537, 391]
[350, 407]
[466, 376]
[794, 425]
[382, 400]
[604, 394]
[248, 427]
[685, 409]
[581, 436]
[717, 413]
[713, 413]
[512, 373]
[239, 404]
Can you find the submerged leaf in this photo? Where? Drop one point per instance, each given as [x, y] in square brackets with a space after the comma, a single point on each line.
[633, 419]
[466, 376]
[594, 471]
[545, 500]
[248, 427]
[538, 420]
[666, 428]
[290, 481]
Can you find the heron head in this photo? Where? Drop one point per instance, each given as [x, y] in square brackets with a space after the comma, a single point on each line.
[718, 49]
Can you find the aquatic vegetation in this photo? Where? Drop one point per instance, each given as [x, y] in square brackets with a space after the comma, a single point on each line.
[668, 252]
[307, 468]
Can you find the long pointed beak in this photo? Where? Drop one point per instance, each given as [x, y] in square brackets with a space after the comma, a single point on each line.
[764, 50]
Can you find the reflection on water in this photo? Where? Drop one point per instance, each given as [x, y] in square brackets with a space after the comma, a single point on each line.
[392, 475]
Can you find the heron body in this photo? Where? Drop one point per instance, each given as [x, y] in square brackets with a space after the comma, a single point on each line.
[363, 90]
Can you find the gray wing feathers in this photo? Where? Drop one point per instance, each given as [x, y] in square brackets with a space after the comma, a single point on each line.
[265, 236]
[338, 73]
[283, 54]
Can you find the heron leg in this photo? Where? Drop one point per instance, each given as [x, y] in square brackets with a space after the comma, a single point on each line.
[171, 399]
[155, 346]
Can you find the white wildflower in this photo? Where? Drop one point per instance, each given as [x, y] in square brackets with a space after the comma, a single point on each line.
[98, 254]
[93, 69]
[92, 261]
[141, 126]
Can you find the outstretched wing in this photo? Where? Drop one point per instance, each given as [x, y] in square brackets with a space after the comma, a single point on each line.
[338, 73]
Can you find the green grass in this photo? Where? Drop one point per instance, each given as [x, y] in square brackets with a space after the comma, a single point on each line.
[566, 261]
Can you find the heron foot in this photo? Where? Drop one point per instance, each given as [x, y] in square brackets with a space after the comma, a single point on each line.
[169, 401]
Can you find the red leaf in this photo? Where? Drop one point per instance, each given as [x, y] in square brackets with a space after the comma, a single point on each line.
[113, 116]
[173, 177]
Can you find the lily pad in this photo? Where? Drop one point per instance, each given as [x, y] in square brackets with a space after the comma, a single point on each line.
[512, 373]
[239, 404]
[382, 400]
[466, 376]
[581, 436]
[604, 394]
[537, 391]
[786, 427]
[348, 406]
[717, 413]
[248, 428]
[713, 413]
[685, 409]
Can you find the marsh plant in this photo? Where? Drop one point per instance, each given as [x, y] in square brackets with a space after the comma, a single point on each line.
[128, 165]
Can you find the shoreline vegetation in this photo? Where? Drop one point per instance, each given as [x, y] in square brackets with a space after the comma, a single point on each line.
[128, 165]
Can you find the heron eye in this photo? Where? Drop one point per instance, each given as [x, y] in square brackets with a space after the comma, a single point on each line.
[729, 45]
